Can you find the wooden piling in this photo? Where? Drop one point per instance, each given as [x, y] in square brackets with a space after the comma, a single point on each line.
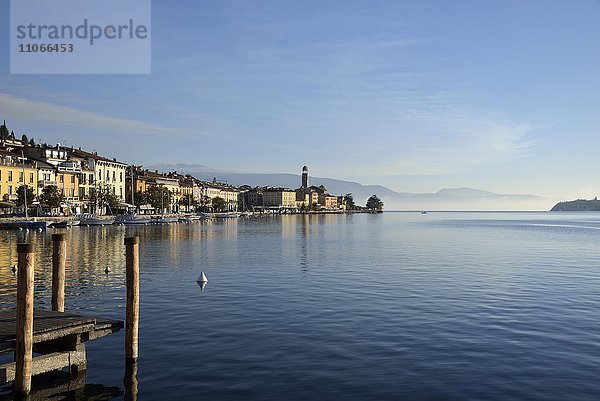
[59, 260]
[132, 276]
[24, 321]
[130, 381]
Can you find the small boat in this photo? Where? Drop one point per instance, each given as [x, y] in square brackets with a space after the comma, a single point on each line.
[188, 219]
[64, 224]
[25, 224]
[164, 220]
[131, 219]
[93, 220]
[227, 215]
[423, 212]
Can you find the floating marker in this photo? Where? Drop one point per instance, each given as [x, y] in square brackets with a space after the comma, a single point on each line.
[14, 269]
[202, 284]
[202, 278]
[107, 269]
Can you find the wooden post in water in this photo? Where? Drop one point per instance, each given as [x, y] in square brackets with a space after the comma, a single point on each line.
[132, 276]
[130, 381]
[24, 323]
[59, 260]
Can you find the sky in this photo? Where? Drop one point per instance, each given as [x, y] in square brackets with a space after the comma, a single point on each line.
[414, 95]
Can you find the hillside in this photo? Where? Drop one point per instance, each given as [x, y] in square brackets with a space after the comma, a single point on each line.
[579, 205]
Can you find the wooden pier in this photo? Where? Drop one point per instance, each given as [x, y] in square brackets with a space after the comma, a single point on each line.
[57, 337]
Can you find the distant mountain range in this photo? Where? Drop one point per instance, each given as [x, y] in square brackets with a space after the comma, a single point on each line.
[445, 199]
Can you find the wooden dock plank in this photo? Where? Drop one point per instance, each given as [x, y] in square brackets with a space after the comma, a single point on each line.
[49, 324]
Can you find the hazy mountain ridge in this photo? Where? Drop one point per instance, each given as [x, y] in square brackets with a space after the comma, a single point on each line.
[444, 199]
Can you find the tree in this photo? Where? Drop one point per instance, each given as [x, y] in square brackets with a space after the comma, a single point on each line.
[104, 196]
[159, 197]
[374, 203]
[188, 200]
[219, 204]
[349, 201]
[51, 196]
[140, 199]
[21, 198]
[24, 140]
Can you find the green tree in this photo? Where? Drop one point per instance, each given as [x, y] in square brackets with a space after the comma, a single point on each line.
[51, 196]
[349, 201]
[104, 196]
[188, 199]
[24, 140]
[21, 197]
[219, 204]
[158, 197]
[140, 199]
[374, 203]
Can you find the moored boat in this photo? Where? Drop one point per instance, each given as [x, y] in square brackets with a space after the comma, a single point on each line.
[132, 219]
[93, 220]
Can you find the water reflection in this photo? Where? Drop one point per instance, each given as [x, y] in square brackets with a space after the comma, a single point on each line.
[130, 381]
[60, 386]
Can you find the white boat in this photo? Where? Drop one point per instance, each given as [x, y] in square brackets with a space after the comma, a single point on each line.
[25, 224]
[164, 220]
[227, 215]
[189, 219]
[132, 219]
[90, 219]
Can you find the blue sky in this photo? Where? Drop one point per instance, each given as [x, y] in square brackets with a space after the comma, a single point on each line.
[414, 95]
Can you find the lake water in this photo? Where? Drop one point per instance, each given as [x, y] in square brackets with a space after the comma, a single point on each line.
[394, 306]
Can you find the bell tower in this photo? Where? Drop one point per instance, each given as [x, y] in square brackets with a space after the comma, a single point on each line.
[305, 177]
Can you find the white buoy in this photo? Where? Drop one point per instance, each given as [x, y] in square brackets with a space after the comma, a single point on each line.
[107, 269]
[202, 278]
[14, 269]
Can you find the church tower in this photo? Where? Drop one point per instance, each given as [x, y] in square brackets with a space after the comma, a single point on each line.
[304, 177]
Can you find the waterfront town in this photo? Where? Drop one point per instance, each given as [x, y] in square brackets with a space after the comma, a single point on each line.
[68, 181]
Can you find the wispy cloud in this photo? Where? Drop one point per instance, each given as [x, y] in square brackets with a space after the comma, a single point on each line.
[32, 110]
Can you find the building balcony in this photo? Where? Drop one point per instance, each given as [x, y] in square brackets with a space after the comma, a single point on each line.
[45, 183]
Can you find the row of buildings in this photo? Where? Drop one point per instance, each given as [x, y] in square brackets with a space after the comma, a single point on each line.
[91, 183]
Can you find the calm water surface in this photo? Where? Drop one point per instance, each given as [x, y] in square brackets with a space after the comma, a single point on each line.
[398, 306]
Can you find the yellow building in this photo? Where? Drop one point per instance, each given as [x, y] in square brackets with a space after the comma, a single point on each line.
[13, 173]
[279, 197]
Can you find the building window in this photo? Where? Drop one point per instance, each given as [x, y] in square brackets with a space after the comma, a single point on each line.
[99, 176]
[114, 176]
[62, 179]
[10, 176]
[10, 190]
[72, 192]
[72, 179]
[91, 178]
[31, 177]
[121, 176]
[20, 176]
